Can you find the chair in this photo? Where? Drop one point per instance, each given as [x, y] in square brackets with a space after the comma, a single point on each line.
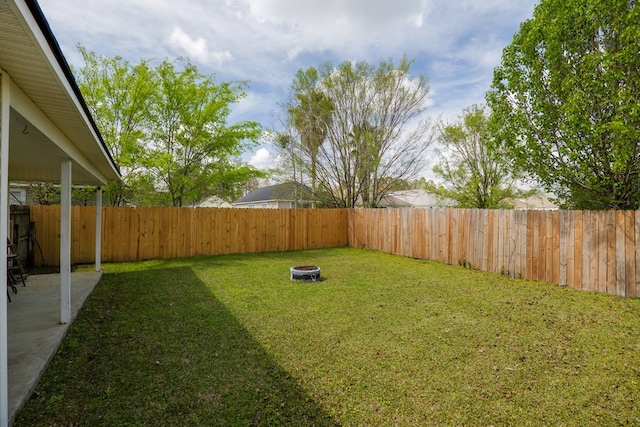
[11, 285]
[14, 267]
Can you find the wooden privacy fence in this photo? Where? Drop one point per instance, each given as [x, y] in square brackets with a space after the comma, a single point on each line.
[134, 234]
[590, 250]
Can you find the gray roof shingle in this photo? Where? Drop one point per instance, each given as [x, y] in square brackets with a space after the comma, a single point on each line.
[289, 191]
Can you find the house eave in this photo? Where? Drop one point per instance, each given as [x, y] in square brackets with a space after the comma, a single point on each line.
[49, 117]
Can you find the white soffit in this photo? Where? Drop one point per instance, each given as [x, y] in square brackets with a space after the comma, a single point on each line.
[49, 119]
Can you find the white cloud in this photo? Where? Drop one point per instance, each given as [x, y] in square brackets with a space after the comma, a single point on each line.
[262, 159]
[456, 44]
[196, 49]
[354, 13]
[348, 26]
[417, 20]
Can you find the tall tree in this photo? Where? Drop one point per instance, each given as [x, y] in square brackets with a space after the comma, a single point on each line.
[363, 137]
[191, 148]
[167, 130]
[288, 159]
[118, 95]
[372, 130]
[565, 99]
[474, 175]
[311, 117]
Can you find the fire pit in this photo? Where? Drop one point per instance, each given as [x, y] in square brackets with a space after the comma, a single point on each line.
[305, 272]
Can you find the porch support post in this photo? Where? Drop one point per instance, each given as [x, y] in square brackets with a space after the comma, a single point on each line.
[5, 111]
[98, 228]
[65, 241]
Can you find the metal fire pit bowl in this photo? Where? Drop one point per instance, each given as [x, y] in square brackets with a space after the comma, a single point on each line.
[305, 272]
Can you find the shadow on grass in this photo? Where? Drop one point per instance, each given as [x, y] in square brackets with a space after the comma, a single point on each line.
[155, 347]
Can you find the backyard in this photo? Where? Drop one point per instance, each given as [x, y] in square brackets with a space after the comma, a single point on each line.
[381, 340]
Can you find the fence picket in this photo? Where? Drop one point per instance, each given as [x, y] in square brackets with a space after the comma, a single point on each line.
[582, 249]
[637, 254]
[611, 253]
[578, 229]
[620, 254]
[630, 260]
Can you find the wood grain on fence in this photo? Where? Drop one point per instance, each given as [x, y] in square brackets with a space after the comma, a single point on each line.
[589, 250]
[139, 233]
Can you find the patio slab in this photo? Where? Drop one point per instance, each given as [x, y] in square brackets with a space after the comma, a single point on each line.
[34, 329]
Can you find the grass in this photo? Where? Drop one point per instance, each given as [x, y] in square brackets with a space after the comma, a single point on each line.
[382, 340]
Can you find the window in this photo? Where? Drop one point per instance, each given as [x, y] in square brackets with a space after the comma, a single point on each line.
[17, 197]
[292, 205]
[251, 205]
[264, 205]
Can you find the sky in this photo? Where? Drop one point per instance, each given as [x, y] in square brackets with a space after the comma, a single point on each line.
[456, 44]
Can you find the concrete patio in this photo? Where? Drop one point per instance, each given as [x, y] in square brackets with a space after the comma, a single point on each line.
[34, 329]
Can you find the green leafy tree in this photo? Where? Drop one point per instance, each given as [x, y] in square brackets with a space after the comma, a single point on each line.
[473, 174]
[365, 126]
[84, 196]
[167, 130]
[118, 95]
[565, 100]
[45, 193]
[191, 149]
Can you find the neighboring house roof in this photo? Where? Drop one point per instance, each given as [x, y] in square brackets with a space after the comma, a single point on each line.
[49, 119]
[534, 203]
[424, 199]
[213, 202]
[410, 199]
[289, 191]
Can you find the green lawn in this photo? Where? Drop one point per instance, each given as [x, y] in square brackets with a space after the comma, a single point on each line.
[381, 341]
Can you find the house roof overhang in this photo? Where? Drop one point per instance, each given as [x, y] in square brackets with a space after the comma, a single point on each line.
[49, 119]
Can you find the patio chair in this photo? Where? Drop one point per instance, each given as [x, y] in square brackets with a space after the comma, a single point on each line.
[12, 286]
[14, 266]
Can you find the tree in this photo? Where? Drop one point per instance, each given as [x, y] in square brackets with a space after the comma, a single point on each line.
[44, 193]
[474, 175]
[83, 195]
[118, 96]
[191, 149]
[364, 126]
[311, 117]
[565, 101]
[289, 158]
[167, 130]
